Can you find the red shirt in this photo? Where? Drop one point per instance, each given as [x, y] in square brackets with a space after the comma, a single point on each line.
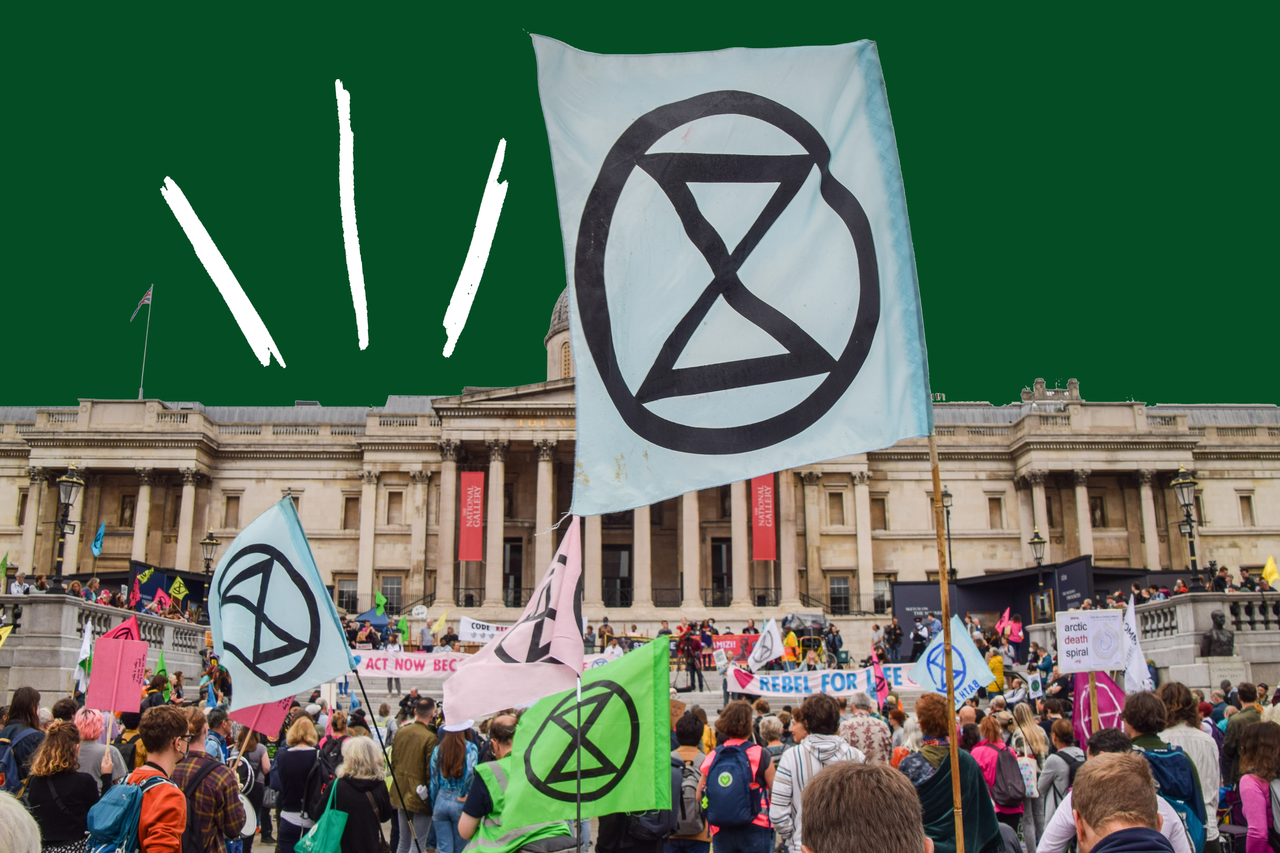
[755, 754]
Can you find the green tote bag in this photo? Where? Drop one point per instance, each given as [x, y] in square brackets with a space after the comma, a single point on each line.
[326, 835]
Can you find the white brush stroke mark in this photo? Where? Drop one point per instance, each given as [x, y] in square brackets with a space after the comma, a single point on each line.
[255, 331]
[464, 292]
[347, 196]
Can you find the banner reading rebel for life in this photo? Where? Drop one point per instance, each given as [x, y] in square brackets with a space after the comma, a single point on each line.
[764, 539]
[835, 682]
[471, 516]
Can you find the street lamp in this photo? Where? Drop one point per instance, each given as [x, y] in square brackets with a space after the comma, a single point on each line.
[208, 546]
[69, 486]
[1037, 543]
[946, 504]
[1184, 486]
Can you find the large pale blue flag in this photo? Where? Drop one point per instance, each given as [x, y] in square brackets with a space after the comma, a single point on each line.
[743, 293]
[274, 626]
[968, 668]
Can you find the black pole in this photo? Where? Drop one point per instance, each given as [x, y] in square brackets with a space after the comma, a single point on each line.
[578, 755]
[951, 564]
[416, 844]
[1191, 540]
[64, 512]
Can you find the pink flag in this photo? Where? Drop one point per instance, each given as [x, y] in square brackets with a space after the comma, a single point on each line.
[882, 684]
[126, 630]
[264, 718]
[1110, 704]
[135, 594]
[540, 655]
[118, 667]
[162, 598]
[1004, 620]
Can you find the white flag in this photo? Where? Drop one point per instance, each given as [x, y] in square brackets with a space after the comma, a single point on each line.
[84, 661]
[743, 294]
[768, 647]
[1137, 677]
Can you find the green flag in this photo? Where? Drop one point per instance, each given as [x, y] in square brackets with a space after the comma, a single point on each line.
[163, 669]
[380, 603]
[626, 745]
[403, 627]
[4, 565]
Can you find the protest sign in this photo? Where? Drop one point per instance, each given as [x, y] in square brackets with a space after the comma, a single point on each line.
[438, 665]
[475, 631]
[1090, 640]
[117, 681]
[833, 682]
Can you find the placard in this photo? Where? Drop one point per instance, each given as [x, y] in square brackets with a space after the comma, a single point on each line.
[475, 631]
[116, 682]
[438, 665]
[1090, 640]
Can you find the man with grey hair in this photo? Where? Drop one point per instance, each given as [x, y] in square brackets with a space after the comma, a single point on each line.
[866, 733]
[999, 703]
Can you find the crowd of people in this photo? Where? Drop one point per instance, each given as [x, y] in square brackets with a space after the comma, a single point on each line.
[93, 592]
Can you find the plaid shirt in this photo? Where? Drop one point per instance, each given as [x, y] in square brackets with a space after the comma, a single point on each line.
[219, 814]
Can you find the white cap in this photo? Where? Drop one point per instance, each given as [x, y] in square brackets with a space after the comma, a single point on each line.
[458, 727]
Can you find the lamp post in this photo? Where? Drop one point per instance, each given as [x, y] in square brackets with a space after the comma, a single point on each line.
[208, 547]
[1184, 486]
[69, 486]
[1037, 543]
[946, 504]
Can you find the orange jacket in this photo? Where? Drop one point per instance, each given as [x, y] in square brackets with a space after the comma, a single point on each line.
[164, 814]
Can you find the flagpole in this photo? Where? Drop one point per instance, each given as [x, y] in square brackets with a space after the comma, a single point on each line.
[578, 754]
[145, 338]
[417, 845]
[945, 593]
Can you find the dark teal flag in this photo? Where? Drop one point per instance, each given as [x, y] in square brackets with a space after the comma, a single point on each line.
[97, 540]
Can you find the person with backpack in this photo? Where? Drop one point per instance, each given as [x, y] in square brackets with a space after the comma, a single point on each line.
[822, 745]
[1259, 788]
[215, 814]
[20, 738]
[59, 794]
[293, 766]
[1116, 807]
[129, 742]
[734, 789]
[691, 835]
[1060, 768]
[1182, 729]
[252, 766]
[1001, 773]
[360, 791]
[1177, 778]
[1060, 830]
[410, 762]
[452, 768]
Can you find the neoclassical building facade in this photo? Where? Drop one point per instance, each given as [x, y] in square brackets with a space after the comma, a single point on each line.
[378, 493]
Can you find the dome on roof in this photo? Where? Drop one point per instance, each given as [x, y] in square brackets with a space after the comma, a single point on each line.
[560, 314]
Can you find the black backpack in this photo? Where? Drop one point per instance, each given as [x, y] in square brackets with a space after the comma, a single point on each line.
[660, 824]
[320, 779]
[191, 834]
[128, 749]
[1073, 764]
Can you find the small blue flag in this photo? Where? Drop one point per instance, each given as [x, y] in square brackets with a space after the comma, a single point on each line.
[274, 626]
[968, 667]
[97, 540]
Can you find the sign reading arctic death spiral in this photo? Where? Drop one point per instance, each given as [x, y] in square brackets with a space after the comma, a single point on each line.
[1090, 640]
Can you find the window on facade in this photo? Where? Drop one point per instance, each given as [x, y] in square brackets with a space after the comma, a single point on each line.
[883, 594]
[128, 507]
[351, 513]
[721, 571]
[1246, 511]
[395, 507]
[297, 502]
[879, 514]
[22, 508]
[1098, 511]
[655, 514]
[566, 361]
[392, 587]
[175, 512]
[995, 513]
[231, 512]
[1048, 509]
[839, 589]
[513, 572]
[726, 502]
[617, 581]
[933, 516]
[348, 597]
[835, 509]
[1201, 518]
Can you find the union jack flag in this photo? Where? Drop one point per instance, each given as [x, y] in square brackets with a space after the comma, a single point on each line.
[146, 300]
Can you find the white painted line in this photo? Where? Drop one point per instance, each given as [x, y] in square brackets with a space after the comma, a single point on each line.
[464, 292]
[347, 198]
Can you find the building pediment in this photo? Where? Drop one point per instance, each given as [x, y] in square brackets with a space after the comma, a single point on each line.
[538, 400]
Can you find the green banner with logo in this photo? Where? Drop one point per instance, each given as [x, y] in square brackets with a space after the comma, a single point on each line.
[626, 744]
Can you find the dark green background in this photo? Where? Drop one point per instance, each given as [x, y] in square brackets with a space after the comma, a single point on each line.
[1091, 191]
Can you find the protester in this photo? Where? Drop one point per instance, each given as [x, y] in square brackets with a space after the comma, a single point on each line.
[851, 807]
[361, 793]
[58, 793]
[154, 693]
[129, 742]
[452, 768]
[1053, 710]
[1259, 766]
[1061, 828]
[23, 731]
[708, 736]
[1144, 717]
[211, 789]
[734, 724]
[1250, 713]
[19, 832]
[385, 723]
[256, 762]
[1028, 740]
[19, 586]
[893, 639]
[790, 654]
[1115, 806]
[393, 645]
[612, 651]
[90, 725]
[294, 766]
[1059, 770]
[1182, 729]
[865, 733]
[912, 740]
[410, 762]
[987, 754]
[822, 746]
[166, 739]
[771, 737]
[897, 720]
[970, 736]
[688, 732]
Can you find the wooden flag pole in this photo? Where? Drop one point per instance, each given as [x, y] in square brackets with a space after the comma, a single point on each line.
[945, 592]
[1093, 702]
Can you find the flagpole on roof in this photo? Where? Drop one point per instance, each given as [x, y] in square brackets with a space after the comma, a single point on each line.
[945, 592]
[145, 338]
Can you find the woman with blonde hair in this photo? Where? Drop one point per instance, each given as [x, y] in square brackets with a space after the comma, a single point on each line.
[361, 792]
[1028, 740]
[294, 764]
[59, 795]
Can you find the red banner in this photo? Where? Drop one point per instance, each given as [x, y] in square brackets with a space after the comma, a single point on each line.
[471, 517]
[764, 542]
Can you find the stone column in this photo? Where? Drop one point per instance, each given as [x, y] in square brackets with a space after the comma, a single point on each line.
[496, 522]
[812, 531]
[418, 531]
[544, 539]
[368, 522]
[642, 550]
[71, 552]
[592, 568]
[1084, 522]
[862, 518]
[186, 520]
[690, 550]
[790, 579]
[1026, 517]
[1150, 533]
[31, 523]
[447, 527]
[1040, 511]
[142, 515]
[739, 550]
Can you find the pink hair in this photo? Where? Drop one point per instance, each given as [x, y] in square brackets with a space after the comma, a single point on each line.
[89, 723]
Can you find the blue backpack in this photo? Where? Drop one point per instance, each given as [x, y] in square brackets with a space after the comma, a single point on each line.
[9, 771]
[728, 798]
[113, 820]
[1176, 783]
